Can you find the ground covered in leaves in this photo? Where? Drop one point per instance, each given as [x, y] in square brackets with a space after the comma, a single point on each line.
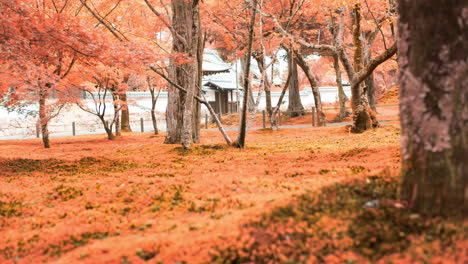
[292, 196]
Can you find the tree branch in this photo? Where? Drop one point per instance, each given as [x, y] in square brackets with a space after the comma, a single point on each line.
[366, 71]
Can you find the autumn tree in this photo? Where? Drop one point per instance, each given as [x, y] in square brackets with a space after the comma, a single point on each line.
[352, 58]
[434, 105]
[39, 55]
[296, 19]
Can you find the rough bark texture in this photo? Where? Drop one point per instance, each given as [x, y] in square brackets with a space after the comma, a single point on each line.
[362, 115]
[295, 107]
[434, 105]
[182, 111]
[125, 121]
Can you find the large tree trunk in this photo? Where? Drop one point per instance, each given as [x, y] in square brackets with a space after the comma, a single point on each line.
[43, 120]
[363, 117]
[125, 121]
[314, 86]
[182, 112]
[295, 107]
[434, 105]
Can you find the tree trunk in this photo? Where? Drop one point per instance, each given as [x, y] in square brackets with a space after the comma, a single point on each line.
[341, 94]
[240, 142]
[250, 101]
[117, 108]
[182, 112]
[43, 119]
[370, 91]
[125, 121]
[314, 86]
[434, 106]
[154, 100]
[362, 116]
[369, 82]
[295, 107]
[267, 87]
[107, 128]
[117, 121]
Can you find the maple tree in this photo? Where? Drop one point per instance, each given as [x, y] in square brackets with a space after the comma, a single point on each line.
[41, 46]
[356, 70]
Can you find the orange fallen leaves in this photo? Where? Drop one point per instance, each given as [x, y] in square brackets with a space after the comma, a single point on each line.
[136, 199]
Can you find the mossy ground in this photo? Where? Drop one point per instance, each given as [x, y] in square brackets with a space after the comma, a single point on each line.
[360, 221]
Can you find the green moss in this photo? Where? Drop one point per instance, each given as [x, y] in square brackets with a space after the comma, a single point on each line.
[364, 212]
[65, 193]
[86, 164]
[10, 209]
[201, 150]
[73, 242]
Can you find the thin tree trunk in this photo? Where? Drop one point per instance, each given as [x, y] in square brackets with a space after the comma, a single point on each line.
[341, 94]
[154, 100]
[434, 106]
[251, 101]
[43, 119]
[267, 87]
[240, 142]
[314, 86]
[117, 120]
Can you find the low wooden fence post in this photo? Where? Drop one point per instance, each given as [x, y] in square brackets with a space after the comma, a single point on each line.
[142, 125]
[206, 121]
[38, 127]
[74, 129]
